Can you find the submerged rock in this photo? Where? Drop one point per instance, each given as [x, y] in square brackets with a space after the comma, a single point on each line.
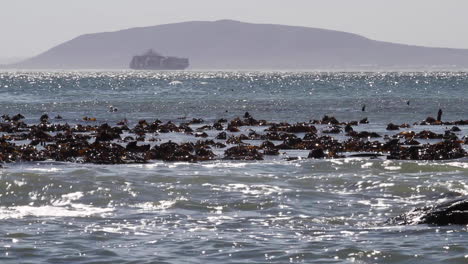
[453, 212]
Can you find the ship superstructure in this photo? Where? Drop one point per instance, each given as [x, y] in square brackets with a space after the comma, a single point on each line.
[152, 60]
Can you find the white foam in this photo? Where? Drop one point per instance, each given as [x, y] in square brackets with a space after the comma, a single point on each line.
[158, 206]
[44, 169]
[175, 83]
[74, 210]
[150, 206]
[246, 189]
[392, 168]
[463, 165]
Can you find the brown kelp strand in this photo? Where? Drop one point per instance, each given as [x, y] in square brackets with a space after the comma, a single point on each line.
[242, 138]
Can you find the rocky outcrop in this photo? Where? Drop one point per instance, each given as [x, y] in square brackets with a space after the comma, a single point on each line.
[453, 212]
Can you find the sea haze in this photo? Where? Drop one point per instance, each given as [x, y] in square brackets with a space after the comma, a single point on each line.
[271, 211]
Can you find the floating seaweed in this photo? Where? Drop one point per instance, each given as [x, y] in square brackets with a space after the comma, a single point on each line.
[103, 143]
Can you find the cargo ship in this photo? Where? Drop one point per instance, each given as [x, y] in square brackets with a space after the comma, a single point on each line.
[152, 60]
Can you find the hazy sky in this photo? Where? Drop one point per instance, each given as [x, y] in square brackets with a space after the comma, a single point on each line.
[28, 27]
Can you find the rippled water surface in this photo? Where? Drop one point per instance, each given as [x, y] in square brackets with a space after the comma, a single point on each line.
[272, 211]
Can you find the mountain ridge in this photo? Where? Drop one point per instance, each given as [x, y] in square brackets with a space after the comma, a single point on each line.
[229, 44]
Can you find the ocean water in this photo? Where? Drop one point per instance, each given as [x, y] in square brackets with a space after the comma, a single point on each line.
[272, 211]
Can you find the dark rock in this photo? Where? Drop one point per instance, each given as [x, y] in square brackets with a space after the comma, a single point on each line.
[44, 118]
[185, 128]
[348, 128]
[430, 120]
[292, 142]
[391, 145]
[273, 136]
[250, 122]
[448, 135]
[316, 154]
[366, 155]
[171, 151]
[128, 138]
[203, 135]
[444, 150]
[333, 130]
[363, 134]
[310, 136]
[218, 126]
[133, 147]
[234, 140]
[271, 151]
[37, 133]
[296, 128]
[196, 121]
[461, 123]
[122, 123]
[330, 120]
[107, 133]
[205, 127]
[109, 153]
[221, 135]
[17, 117]
[236, 122]
[242, 152]
[6, 127]
[170, 127]
[453, 212]
[267, 145]
[358, 145]
[204, 154]
[426, 134]
[6, 118]
[412, 142]
[207, 143]
[254, 136]
[392, 126]
[163, 151]
[232, 128]
[406, 134]
[301, 128]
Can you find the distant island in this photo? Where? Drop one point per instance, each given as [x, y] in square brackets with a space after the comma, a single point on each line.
[154, 61]
[227, 44]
